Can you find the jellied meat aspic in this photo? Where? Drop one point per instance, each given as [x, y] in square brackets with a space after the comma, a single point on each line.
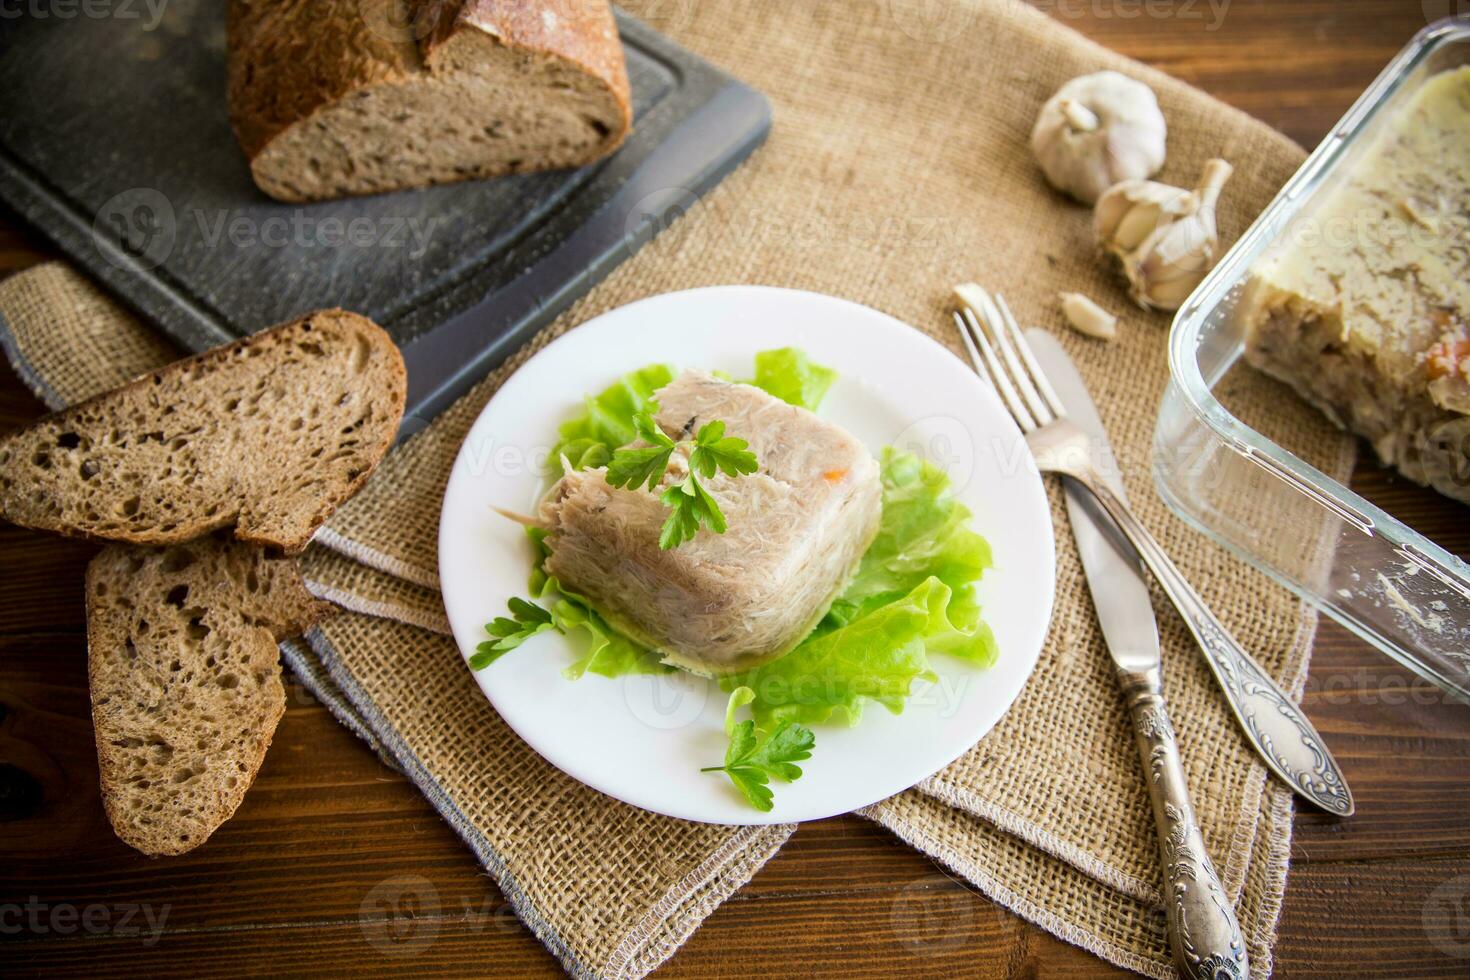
[723, 602]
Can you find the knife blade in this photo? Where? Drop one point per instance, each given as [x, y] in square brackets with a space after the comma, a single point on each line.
[1203, 931]
[1114, 571]
[1273, 725]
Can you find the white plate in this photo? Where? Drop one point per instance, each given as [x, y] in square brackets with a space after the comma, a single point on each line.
[644, 739]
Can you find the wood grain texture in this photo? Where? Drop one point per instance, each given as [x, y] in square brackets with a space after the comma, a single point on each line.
[335, 866]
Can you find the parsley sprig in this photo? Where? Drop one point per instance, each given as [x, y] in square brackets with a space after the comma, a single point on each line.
[508, 633]
[753, 756]
[690, 505]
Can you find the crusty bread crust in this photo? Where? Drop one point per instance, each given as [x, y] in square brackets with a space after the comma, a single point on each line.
[288, 58]
[582, 32]
[268, 435]
[295, 65]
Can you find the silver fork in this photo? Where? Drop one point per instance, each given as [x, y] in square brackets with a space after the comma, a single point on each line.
[1202, 928]
[1283, 737]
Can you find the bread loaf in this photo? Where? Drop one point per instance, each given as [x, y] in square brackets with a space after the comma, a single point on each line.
[337, 97]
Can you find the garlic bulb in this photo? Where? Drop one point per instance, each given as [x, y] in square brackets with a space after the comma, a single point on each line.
[1097, 130]
[1164, 237]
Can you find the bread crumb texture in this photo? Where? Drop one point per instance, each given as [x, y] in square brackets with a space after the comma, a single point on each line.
[185, 681]
[267, 435]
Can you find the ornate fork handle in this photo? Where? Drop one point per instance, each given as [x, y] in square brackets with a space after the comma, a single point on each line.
[1203, 931]
[1289, 744]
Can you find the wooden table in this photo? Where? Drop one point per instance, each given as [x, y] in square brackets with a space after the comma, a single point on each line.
[281, 888]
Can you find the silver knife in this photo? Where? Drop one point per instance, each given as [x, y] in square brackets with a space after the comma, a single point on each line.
[1272, 723]
[1203, 931]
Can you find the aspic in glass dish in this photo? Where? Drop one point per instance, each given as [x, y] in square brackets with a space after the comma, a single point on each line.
[1244, 458]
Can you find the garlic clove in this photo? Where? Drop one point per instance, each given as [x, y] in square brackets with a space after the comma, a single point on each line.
[1137, 224]
[972, 294]
[1163, 290]
[1086, 317]
[1165, 238]
[1097, 130]
[1129, 212]
[1211, 182]
[1164, 277]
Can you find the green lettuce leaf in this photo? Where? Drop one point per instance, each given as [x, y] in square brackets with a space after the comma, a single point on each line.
[830, 676]
[609, 653]
[606, 421]
[792, 377]
[925, 532]
[913, 595]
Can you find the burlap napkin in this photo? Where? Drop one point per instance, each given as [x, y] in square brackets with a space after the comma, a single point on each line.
[897, 167]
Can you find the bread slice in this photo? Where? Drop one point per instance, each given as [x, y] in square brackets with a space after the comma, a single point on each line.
[268, 435]
[186, 681]
[337, 97]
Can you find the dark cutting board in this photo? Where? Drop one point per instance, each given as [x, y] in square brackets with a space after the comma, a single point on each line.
[115, 143]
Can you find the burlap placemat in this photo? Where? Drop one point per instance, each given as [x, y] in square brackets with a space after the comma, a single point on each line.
[897, 166]
[610, 889]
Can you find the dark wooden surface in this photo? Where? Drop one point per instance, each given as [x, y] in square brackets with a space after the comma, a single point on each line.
[326, 831]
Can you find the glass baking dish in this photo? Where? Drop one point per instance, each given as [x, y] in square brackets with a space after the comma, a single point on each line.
[1223, 456]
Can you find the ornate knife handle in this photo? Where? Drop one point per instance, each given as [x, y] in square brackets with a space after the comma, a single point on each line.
[1203, 931]
[1281, 734]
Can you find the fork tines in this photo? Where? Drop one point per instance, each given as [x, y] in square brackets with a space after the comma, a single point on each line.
[1013, 373]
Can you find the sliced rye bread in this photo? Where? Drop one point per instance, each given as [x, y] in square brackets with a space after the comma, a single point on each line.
[269, 435]
[336, 97]
[185, 680]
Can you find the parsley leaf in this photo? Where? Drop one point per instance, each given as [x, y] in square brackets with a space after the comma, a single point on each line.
[508, 634]
[682, 522]
[635, 466]
[648, 429]
[715, 450]
[690, 505]
[753, 756]
[632, 468]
